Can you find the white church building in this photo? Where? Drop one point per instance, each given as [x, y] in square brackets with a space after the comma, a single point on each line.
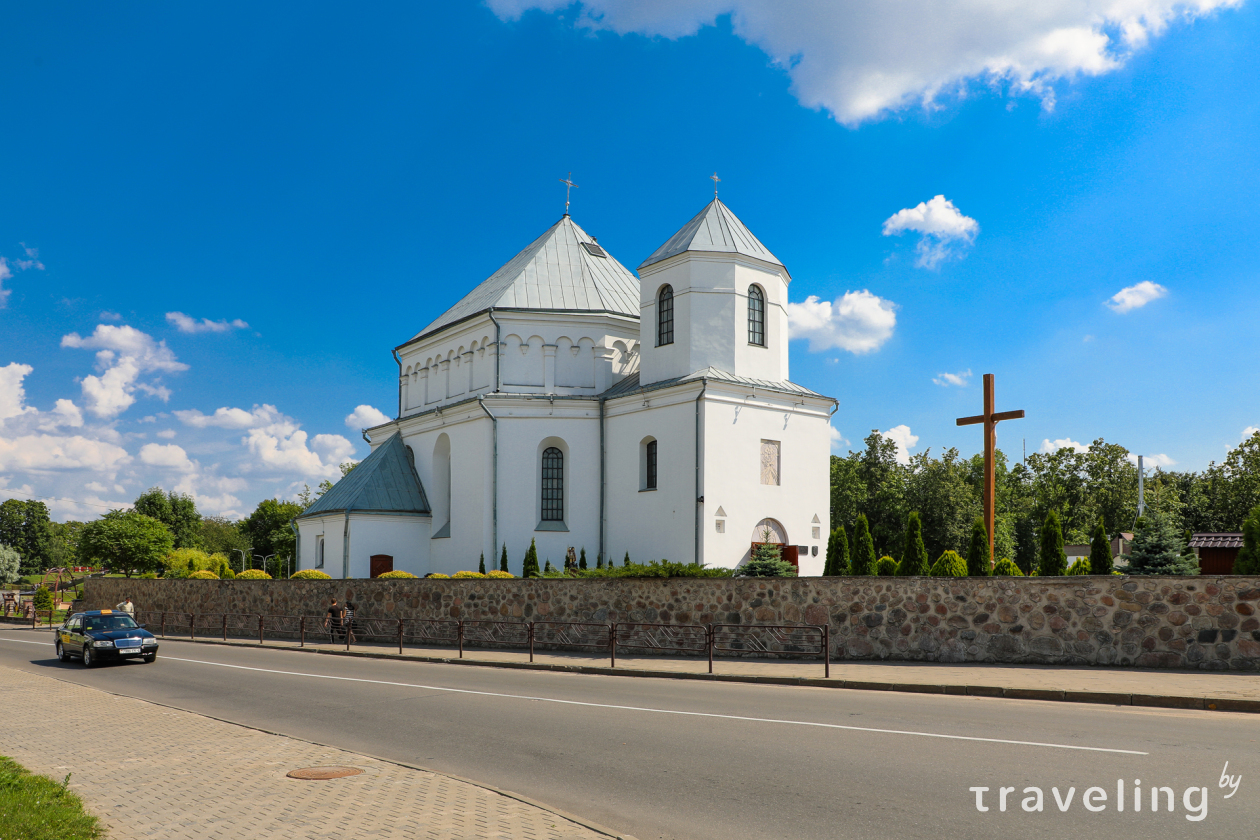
[566, 401]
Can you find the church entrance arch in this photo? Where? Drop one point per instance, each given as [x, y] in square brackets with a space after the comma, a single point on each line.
[771, 532]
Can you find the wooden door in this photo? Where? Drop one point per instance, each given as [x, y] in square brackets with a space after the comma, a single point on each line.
[381, 563]
[786, 552]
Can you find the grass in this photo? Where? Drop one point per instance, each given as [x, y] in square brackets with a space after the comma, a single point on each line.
[38, 808]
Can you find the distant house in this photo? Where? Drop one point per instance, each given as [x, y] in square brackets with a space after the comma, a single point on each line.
[1121, 547]
[1216, 552]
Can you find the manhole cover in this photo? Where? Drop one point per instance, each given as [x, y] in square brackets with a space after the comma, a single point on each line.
[324, 773]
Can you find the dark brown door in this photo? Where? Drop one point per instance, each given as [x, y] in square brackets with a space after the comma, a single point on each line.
[381, 563]
[786, 552]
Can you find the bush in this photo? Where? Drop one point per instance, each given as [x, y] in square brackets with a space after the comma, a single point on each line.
[1053, 560]
[226, 573]
[914, 556]
[10, 562]
[465, 575]
[315, 574]
[886, 567]
[979, 562]
[767, 561]
[530, 567]
[202, 574]
[1006, 568]
[662, 569]
[499, 574]
[1100, 560]
[398, 574]
[149, 576]
[1080, 566]
[42, 599]
[949, 564]
[437, 575]
[1248, 560]
[253, 574]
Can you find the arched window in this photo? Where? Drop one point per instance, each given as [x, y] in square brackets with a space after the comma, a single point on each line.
[552, 485]
[650, 482]
[756, 316]
[665, 316]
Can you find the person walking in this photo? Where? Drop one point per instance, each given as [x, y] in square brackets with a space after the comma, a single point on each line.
[333, 621]
[348, 617]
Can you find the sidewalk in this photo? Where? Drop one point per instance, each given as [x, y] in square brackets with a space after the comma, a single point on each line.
[1237, 691]
[149, 771]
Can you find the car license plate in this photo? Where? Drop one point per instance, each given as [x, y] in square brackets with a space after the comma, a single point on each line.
[128, 651]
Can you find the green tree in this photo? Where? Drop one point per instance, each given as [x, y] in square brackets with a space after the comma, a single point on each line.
[767, 561]
[837, 553]
[599, 561]
[1006, 568]
[864, 557]
[1248, 560]
[883, 480]
[503, 564]
[125, 541]
[24, 526]
[626, 560]
[914, 556]
[10, 562]
[269, 530]
[886, 567]
[481, 566]
[177, 511]
[940, 490]
[1158, 548]
[979, 562]
[1053, 558]
[848, 490]
[63, 542]
[224, 536]
[530, 567]
[582, 559]
[1100, 551]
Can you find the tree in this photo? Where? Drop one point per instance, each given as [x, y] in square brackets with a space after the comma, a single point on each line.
[599, 561]
[884, 481]
[837, 553]
[503, 559]
[940, 490]
[886, 567]
[1053, 558]
[1248, 560]
[24, 526]
[126, 542]
[177, 511]
[63, 542]
[223, 536]
[481, 567]
[1006, 568]
[10, 562]
[767, 561]
[269, 530]
[979, 561]
[529, 568]
[626, 560]
[1100, 551]
[914, 556]
[1158, 548]
[582, 559]
[864, 557]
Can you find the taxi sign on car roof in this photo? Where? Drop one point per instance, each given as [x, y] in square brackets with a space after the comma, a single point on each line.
[107, 612]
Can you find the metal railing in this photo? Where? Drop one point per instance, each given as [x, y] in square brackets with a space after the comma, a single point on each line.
[713, 640]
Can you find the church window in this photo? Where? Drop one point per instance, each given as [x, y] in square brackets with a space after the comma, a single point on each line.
[770, 462]
[720, 524]
[665, 316]
[756, 316]
[651, 465]
[552, 485]
[319, 552]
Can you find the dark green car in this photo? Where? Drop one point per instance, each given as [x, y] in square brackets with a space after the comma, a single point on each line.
[99, 636]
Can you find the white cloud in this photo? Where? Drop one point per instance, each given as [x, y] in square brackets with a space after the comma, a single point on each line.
[167, 455]
[1148, 461]
[123, 354]
[12, 393]
[1136, 296]
[166, 434]
[64, 413]
[944, 232]
[188, 324]
[55, 452]
[110, 316]
[905, 441]
[365, 417]
[959, 379]
[21, 265]
[859, 322]
[837, 440]
[231, 418]
[861, 59]
[1249, 431]
[1048, 446]
[5, 274]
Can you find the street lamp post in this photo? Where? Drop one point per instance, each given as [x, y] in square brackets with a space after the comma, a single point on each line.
[242, 551]
[264, 560]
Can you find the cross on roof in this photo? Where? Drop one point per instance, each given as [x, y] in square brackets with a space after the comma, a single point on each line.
[568, 185]
[714, 178]
[990, 419]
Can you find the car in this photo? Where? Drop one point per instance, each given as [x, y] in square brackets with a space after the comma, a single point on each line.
[99, 636]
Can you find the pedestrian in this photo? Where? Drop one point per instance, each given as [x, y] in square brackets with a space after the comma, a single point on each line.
[349, 620]
[333, 620]
[126, 606]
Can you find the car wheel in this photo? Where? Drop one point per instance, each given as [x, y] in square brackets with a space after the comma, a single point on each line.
[89, 660]
[149, 658]
[61, 653]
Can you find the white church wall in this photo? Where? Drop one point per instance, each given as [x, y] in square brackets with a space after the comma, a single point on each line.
[309, 533]
[404, 538]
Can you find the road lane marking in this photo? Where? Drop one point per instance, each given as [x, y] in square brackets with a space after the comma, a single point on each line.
[646, 709]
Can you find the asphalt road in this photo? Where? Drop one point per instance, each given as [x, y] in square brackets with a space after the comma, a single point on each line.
[690, 760]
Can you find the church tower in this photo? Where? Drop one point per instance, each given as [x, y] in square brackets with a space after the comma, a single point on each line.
[713, 297]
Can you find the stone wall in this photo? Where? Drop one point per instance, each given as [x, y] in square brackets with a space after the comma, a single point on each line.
[1156, 622]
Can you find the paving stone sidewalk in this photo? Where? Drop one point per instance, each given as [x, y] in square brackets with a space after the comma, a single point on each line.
[154, 772]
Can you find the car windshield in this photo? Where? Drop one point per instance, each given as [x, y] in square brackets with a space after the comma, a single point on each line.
[108, 622]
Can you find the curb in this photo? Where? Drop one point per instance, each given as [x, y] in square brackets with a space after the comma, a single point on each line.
[1161, 701]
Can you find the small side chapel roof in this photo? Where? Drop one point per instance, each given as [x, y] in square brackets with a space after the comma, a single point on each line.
[564, 270]
[714, 229]
[383, 482]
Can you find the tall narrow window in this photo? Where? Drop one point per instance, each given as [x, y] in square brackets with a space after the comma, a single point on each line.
[651, 465]
[552, 485]
[665, 316]
[756, 316]
[319, 552]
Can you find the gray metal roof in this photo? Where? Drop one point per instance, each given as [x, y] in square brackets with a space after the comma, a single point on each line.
[554, 273]
[384, 482]
[714, 229]
[630, 385]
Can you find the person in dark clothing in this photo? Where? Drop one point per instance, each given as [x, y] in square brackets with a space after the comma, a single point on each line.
[333, 621]
[348, 619]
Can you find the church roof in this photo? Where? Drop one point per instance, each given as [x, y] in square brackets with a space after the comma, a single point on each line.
[383, 482]
[714, 229]
[565, 269]
[630, 385]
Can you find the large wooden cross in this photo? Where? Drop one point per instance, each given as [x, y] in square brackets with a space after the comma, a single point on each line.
[990, 419]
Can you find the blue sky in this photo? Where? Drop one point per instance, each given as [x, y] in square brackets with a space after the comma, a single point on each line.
[216, 221]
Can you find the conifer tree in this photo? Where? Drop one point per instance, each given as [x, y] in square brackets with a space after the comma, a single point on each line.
[1248, 560]
[1158, 549]
[530, 567]
[582, 560]
[979, 563]
[1053, 559]
[1100, 551]
[626, 562]
[481, 567]
[599, 561]
[503, 559]
[949, 564]
[837, 553]
[864, 558]
[548, 569]
[914, 556]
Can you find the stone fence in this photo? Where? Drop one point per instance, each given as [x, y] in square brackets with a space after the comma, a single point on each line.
[1152, 622]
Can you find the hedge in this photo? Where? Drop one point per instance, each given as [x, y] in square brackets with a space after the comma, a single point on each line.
[310, 574]
[397, 574]
[203, 574]
[253, 574]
